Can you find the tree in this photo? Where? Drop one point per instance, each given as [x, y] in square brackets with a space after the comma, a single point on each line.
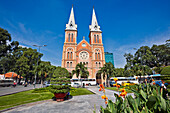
[5, 43]
[80, 71]
[25, 62]
[60, 77]
[129, 60]
[119, 72]
[6, 47]
[43, 69]
[107, 70]
[166, 71]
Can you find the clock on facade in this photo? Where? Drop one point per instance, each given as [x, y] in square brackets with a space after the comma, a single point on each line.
[84, 45]
[84, 55]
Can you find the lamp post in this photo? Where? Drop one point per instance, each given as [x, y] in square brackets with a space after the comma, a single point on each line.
[37, 61]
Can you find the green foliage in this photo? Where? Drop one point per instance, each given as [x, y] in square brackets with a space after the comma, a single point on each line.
[40, 90]
[60, 81]
[147, 99]
[107, 71]
[138, 70]
[165, 71]
[6, 46]
[158, 69]
[147, 58]
[119, 72]
[20, 98]
[80, 71]
[79, 91]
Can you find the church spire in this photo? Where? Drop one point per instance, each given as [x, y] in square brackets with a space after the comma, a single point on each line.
[71, 23]
[94, 25]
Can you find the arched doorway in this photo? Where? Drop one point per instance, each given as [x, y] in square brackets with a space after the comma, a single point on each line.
[70, 75]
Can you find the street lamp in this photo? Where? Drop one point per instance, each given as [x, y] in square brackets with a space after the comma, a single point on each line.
[37, 61]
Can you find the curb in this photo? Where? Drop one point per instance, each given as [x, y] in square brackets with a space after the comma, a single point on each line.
[93, 91]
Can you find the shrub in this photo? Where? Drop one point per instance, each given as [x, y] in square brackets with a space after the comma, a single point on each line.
[60, 81]
[166, 71]
[40, 90]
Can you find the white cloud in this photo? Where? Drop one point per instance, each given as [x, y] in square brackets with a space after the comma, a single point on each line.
[22, 27]
[119, 52]
[23, 46]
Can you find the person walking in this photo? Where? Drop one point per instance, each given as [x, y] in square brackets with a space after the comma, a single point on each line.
[164, 90]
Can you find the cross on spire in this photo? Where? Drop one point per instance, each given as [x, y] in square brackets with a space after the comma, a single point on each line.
[94, 25]
[71, 23]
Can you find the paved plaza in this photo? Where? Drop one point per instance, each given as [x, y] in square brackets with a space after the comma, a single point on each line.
[78, 104]
[18, 88]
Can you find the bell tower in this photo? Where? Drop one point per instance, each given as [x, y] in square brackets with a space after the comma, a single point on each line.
[95, 35]
[70, 44]
[71, 29]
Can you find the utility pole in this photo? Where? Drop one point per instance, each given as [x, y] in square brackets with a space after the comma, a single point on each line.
[37, 61]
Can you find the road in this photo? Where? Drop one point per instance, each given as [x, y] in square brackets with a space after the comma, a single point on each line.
[18, 88]
[78, 104]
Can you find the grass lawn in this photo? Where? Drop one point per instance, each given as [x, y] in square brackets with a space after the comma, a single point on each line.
[23, 98]
[80, 91]
[30, 96]
[115, 89]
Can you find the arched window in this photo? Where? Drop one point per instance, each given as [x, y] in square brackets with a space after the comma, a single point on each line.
[70, 64]
[86, 64]
[68, 55]
[98, 55]
[99, 64]
[71, 55]
[72, 37]
[97, 38]
[67, 64]
[69, 37]
[96, 64]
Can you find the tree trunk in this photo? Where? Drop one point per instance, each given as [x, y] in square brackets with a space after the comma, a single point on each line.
[41, 82]
[101, 78]
[105, 80]
[108, 83]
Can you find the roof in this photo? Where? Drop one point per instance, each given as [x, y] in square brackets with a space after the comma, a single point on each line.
[12, 75]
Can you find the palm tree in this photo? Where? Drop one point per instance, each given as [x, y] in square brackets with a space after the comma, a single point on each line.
[107, 70]
[80, 71]
[43, 68]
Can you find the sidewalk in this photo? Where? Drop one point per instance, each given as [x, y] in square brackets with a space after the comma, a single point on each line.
[18, 88]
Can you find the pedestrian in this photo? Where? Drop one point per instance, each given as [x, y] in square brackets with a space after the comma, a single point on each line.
[25, 84]
[164, 91]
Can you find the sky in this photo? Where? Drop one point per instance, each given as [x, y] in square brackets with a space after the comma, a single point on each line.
[125, 24]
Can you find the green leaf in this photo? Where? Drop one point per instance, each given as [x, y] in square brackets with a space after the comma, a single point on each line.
[143, 94]
[111, 106]
[151, 101]
[163, 103]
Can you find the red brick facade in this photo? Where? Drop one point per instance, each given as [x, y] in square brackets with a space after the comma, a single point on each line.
[91, 54]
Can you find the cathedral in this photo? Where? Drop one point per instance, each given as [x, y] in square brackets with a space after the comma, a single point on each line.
[91, 54]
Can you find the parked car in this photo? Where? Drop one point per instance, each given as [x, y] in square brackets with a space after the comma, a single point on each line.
[160, 83]
[76, 85]
[112, 83]
[47, 83]
[127, 83]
